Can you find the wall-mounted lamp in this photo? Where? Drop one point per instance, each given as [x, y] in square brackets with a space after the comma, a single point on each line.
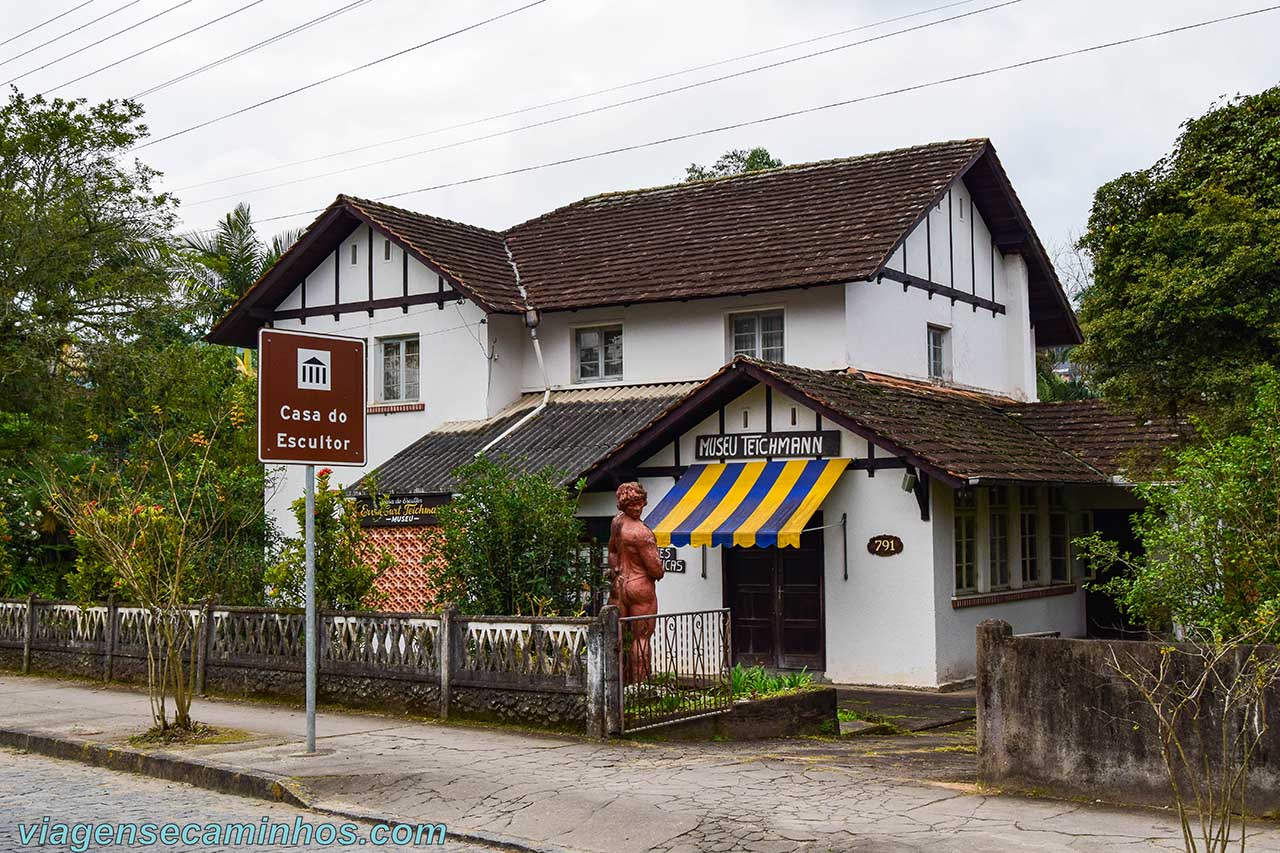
[532, 318]
[909, 481]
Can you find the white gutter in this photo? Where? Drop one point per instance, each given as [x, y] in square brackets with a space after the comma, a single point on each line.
[531, 321]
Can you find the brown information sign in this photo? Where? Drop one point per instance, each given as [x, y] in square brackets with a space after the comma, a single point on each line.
[311, 406]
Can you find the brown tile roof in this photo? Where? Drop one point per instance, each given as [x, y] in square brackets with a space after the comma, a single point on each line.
[817, 223]
[796, 226]
[1115, 443]
[964, 434]
[578, 426]
[474, 257]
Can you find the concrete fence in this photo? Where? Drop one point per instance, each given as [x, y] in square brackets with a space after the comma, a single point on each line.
[555, 673]
[1054, 716]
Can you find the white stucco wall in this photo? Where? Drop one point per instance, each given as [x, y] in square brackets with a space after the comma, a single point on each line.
[675, 341]
[454, 376]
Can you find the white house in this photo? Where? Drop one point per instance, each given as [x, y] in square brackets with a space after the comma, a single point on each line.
[823, 374]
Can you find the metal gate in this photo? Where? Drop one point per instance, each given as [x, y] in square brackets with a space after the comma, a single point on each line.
[673, 667]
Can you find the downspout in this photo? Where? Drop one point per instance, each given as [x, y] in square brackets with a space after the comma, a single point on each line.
[531, 320]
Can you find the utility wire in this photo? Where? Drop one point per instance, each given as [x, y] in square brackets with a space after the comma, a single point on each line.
[70, 32]
[333, 77]
[42, 23]
[251, 48]
[161, 13]
[577, 97]
[809, 110]
[169, 40]
[611, 106]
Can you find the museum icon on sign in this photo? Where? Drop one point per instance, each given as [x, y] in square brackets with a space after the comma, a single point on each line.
[314, 369]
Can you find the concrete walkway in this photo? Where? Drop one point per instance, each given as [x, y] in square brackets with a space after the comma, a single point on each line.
[547, 793]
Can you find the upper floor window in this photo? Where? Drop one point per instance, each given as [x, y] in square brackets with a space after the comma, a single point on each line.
[599, 353]
[399, 361]
[936, 348]
[386, 250]
[757, 335]
[355, 253]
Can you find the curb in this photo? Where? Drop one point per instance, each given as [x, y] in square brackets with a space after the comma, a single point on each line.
[259, 785]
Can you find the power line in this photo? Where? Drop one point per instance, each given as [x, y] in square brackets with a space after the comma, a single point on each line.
[169, 40]
[251, 48]
[161, 13]
[333, 77]
[612, 106]
[808, 110]
[577, 97]
[43, 23]
[70, 32]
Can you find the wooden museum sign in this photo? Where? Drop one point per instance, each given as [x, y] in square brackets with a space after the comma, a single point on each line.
[768, 445]
[311, 399]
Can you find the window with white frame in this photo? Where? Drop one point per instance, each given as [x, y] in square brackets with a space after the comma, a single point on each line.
[757, 335]
[1029, 524]
[1059, 538]
[399, 360]
[966, 518]
[936, 348]
[998, 510]
[598, 351]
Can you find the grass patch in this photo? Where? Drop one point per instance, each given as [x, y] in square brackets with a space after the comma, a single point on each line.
[756, 683]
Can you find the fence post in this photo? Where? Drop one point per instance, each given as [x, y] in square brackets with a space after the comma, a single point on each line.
[602, 638]
[992, 634]
[610, 679]
[449, 646]
[29, 634]
[109, 665]
[204, 641]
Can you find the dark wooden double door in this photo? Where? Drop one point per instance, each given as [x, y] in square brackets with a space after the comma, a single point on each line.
[775, 598]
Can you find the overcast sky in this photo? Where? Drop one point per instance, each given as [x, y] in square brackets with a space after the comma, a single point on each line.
[1061, 128]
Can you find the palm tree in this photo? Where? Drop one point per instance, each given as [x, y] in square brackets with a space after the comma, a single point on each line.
[219, 266]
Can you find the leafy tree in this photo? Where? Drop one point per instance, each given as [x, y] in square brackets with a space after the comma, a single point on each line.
[1210, 535]
[158, 525]
[1053, 388]
[346, 566]
[1185, 300]
[218, 267]
[83, 253]
[734, 162]
[509, 543]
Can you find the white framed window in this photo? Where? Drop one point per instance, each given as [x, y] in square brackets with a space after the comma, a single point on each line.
[1029, 529]
[758, 334]
[998, 509]
[386, 250]
[1059, 538]
[936, 346]
[598, 353]
[399, 359]
[966, 524]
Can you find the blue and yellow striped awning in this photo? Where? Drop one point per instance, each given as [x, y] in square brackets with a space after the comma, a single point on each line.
[746, 504]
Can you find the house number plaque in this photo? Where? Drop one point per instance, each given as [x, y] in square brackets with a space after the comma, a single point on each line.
[884, 545]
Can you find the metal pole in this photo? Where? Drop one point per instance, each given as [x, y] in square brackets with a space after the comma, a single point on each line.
[311, 607]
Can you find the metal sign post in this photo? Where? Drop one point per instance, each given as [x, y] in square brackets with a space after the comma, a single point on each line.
[311, 411]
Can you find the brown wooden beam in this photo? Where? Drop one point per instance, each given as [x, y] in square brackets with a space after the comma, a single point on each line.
[370, 305]
[942, 290]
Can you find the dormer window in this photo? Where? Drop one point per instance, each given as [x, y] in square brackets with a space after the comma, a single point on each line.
[757, 335]
[599, 353]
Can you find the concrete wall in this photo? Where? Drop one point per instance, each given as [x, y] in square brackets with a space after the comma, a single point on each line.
[1053, 716]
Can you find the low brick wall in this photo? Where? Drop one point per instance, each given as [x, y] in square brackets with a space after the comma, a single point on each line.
[551, 673]
[1054, 717]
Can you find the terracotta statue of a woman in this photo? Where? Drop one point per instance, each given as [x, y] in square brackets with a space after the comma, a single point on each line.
[635, 568]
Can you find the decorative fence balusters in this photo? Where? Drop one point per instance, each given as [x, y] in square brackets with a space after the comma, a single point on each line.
[398, 642]
[13, 623]
[544, 649]
[258, 634]
[68, 626]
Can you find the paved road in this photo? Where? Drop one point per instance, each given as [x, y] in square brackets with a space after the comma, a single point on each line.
[32, 787]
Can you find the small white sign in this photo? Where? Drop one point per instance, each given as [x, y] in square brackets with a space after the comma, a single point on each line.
[314, 369]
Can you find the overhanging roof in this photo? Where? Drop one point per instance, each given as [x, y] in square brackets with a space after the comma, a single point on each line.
[797, 226]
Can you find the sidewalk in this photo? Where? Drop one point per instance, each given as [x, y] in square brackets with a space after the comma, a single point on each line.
[546, 793]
